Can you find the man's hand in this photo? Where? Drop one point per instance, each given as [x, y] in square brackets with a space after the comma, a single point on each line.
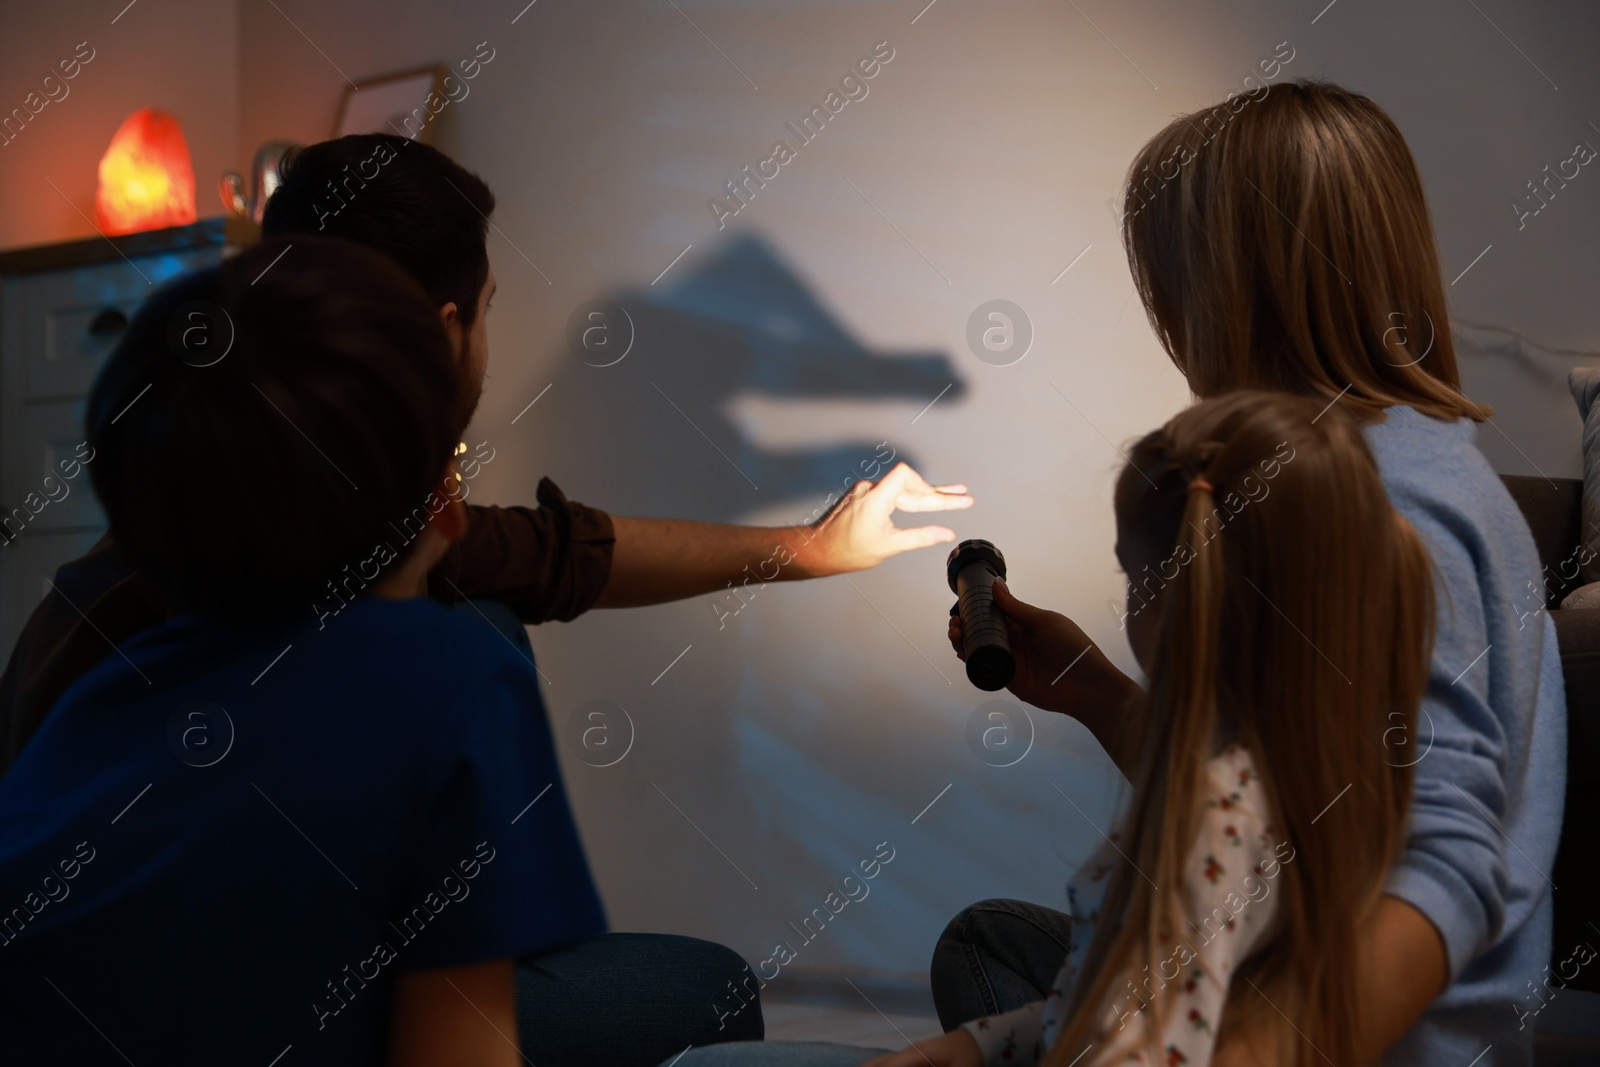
[1060, 669]
[657, 560]
[859, 531]
[955, 1049]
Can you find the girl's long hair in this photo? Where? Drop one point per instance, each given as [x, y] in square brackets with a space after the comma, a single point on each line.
[1281, 240]
[1294, 611]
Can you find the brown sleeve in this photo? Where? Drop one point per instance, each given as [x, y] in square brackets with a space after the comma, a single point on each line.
[58, 646]
[548, 562]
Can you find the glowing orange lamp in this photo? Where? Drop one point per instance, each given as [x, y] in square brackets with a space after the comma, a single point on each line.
[146, 179]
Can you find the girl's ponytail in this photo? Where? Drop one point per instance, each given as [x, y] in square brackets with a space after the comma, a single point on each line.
[1143, 916]
[1290, 613]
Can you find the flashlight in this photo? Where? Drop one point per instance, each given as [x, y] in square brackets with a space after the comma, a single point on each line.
[972, 569]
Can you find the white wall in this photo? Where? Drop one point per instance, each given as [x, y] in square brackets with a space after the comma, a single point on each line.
[825, 717]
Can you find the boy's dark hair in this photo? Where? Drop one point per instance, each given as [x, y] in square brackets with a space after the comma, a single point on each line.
[411, 202]
[262, 423]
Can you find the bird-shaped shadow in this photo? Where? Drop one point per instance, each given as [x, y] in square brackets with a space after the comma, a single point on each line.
[652, 433]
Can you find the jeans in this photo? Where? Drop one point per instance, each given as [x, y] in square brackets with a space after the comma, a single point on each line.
[777, 1054]
[629, 1000]
[996, 956]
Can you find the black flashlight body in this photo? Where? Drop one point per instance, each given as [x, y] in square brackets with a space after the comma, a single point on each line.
[972, 569]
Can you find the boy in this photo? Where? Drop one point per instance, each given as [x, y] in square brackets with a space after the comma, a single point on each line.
[243, 834]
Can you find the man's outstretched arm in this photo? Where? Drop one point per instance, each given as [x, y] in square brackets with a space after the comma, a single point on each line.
[657, 560]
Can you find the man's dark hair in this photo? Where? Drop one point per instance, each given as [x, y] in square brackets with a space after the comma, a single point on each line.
[262, 423]
[411, 202]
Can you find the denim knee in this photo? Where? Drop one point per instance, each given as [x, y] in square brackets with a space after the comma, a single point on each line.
[732, 992]
[995, 956]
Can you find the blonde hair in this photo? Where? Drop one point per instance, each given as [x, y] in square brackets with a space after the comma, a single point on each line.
[1291, 249]
[1300, 627]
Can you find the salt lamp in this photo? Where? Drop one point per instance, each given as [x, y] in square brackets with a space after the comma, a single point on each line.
[146, 179]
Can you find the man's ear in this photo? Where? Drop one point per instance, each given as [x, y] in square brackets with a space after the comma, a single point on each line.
[450, 319]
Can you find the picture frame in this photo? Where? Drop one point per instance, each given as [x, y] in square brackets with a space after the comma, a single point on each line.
[382, 104]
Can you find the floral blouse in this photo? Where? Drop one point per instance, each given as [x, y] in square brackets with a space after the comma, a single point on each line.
[1229, 902]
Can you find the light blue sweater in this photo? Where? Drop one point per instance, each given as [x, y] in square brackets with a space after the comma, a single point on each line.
[1486, 814]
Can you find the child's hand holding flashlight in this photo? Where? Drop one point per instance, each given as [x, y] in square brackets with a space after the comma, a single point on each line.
[1058, 668]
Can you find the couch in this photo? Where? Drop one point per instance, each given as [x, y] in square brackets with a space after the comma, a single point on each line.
[1552, 508]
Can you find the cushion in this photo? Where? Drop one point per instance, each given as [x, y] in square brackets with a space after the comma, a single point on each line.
[1585, 596]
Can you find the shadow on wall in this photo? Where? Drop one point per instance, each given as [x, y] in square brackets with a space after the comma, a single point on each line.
[646, 420]
[746, 735]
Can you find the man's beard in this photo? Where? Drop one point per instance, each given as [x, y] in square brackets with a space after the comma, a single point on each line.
[470, 393]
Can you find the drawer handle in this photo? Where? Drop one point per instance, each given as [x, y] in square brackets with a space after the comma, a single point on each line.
[109, 320]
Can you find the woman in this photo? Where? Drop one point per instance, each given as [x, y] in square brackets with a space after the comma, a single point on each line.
[1283, 242]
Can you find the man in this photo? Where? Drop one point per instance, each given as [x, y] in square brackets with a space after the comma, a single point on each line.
[553, 561]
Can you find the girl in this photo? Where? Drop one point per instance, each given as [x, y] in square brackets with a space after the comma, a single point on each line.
[1281, 610]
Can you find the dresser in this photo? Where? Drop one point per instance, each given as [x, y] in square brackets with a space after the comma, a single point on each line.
[63, 308]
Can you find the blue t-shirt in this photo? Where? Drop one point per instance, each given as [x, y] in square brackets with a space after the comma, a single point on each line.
[225, 841]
